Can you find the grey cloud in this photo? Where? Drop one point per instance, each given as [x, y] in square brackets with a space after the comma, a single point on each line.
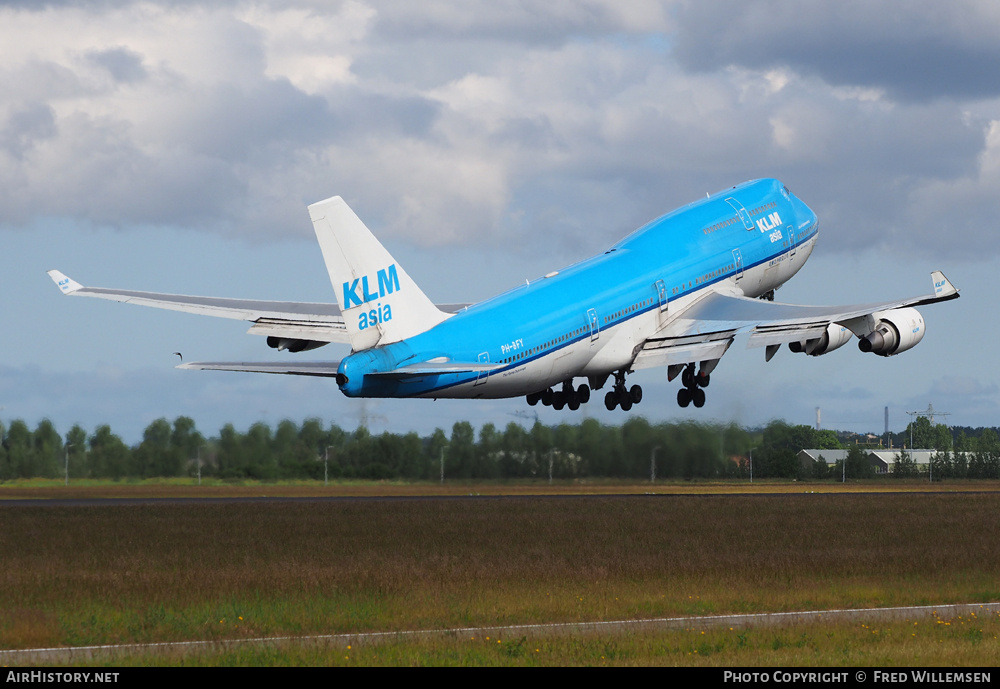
[124, 65]
[513, 21]
[919, 51]
[25, 127]
[99, 174]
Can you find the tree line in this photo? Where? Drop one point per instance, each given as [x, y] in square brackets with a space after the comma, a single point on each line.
[636, 449]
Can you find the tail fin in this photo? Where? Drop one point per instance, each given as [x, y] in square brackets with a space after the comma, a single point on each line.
[380, 302]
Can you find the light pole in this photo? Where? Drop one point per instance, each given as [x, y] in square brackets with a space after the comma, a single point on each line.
[199, 462]
[326, 464]
[652, 464]
[751, 463]
[66, 453]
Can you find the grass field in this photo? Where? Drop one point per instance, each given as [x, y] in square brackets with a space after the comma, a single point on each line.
[53, 489]
[119, 573]
[965, 641]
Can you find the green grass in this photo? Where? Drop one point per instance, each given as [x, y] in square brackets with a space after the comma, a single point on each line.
[108, 574]
[969, 641]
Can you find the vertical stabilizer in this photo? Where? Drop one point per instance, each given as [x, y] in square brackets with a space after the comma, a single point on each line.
[381, 303]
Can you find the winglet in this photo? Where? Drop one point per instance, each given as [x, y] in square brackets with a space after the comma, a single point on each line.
[66, 284]
[942, 285]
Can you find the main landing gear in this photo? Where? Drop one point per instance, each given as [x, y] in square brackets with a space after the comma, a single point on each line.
[693, 384]
[567, 397]
[622, 396]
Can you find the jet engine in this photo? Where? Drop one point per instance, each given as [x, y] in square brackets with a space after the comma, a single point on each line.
[894, 332]
[834, 337]
[292, 344]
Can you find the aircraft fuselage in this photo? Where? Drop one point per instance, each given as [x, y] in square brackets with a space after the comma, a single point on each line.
[591, 318]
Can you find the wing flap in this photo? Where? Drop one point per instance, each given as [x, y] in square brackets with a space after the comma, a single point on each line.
[682, 350]
[764, 336]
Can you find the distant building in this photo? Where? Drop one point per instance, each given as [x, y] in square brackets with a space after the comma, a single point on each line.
[882, 460]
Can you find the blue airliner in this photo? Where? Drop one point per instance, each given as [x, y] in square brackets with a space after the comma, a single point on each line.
[674, 293]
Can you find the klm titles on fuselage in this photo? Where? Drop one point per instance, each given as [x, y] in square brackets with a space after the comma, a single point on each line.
[387, 281]
[770, 223]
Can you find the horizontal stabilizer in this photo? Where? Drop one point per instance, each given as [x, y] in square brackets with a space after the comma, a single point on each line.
[328, 369]
[324, 369]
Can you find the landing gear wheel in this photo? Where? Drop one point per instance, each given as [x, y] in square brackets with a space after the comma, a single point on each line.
[610, 401]
[704, 379]
[698, 397]
[626, 403]
[687, 377]
[547, 397]
[534, 398]
[559, 401]
[574, 401]
[684, 397]
[636, 394]
[584, 393]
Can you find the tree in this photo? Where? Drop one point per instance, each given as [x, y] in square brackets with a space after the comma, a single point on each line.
[187, 443]
[155, 456]
[76, 443]
[857, 464]
[461, 456]
[109, 456]
[903, 465]
[20, 450]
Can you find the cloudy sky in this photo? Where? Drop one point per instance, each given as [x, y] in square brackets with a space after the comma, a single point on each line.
[174, 146]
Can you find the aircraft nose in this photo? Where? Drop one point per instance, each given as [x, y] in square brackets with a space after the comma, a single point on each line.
[804, 215]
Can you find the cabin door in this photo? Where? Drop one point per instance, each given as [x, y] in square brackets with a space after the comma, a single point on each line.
[484, 358]
[595, 328]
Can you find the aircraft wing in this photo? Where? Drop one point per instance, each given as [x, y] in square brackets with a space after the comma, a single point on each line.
[294, 320]
[706, 328]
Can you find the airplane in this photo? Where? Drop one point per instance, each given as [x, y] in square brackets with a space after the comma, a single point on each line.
[674, 293]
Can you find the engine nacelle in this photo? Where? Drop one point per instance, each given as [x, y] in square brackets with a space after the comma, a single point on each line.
[835, 336]
[894, 332]
[292, 344]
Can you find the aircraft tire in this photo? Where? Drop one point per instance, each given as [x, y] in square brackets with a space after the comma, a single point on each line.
[534, 398]
[636, 394]
[687, 377]
[704, 380]
[626, 403]
[584, 392]
[574, 402]
[684, 397]
[698, 397]
[558, 401]
[610, 401]
[547, 397]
